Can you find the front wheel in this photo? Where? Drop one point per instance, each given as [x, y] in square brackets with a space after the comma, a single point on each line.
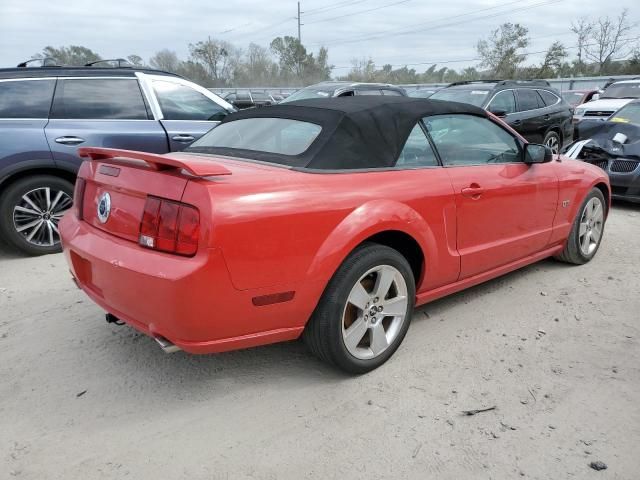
[586, 234]
[365, 310]
[30, 210]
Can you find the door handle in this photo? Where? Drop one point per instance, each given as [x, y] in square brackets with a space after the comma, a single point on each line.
[517, 122]
[547, 117]
[183, 138]
[69, 140]
[473, 191]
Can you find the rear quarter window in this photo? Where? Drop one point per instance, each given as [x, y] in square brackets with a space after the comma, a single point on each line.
[98, 99]
[548, 98]
[26, 98]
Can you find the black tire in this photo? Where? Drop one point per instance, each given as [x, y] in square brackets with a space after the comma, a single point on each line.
[552, 140]
[323, 333]
[12, 196]
[572, 252]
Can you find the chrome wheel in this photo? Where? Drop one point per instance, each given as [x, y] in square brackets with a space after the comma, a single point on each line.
[591, 225]
[37, 214]
[375, 312]
[553, 142]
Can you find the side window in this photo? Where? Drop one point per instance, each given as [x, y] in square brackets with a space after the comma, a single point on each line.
[504, 101]
[528, 99]
[26, 98]
[180, 102]
[94, 99]
[370, 91]
[393, 93]
[548, 98]
[471, 140]
[417, 151]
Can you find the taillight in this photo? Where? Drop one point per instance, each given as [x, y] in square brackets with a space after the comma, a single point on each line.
[169, 226]
[78, 197]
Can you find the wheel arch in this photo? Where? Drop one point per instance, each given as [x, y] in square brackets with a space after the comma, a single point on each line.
[16, 175]
[604, 188]
[386, 222]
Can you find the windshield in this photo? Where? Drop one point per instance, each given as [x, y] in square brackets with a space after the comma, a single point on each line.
[463, 95]
[270, 135]
[310, 92]
[630, 113]
[573, 98]
[622, 90]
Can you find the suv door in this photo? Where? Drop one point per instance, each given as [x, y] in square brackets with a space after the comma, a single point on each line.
[100, 112]
[505, 208]
[530, 120]
[186, 113]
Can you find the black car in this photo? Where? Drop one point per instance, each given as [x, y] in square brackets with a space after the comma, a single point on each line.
[344, 89]
[614, 146]
[249, 99]
[533, 108]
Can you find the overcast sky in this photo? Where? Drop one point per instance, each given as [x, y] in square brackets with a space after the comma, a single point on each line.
[389, 31]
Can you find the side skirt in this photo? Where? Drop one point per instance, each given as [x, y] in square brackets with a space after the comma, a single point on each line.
[431, 295]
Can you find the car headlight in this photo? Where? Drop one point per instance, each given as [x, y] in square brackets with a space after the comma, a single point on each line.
[580, 111]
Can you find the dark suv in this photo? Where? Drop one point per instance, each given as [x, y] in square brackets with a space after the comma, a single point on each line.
[344, 89]
[532, 108]
[47, 112]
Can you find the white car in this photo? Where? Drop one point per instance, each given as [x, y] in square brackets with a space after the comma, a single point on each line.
[615, 96]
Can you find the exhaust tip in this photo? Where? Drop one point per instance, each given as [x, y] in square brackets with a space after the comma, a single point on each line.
[166, 345]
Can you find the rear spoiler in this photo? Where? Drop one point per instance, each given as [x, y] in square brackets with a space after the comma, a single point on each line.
[195, 166]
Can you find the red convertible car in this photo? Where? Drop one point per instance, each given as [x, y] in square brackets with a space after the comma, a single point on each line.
[328, 219]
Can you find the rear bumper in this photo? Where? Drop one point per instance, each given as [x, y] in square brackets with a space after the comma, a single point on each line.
[189, 301]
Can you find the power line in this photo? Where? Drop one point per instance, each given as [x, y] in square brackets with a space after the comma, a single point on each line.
[359, 12]
[333, 6]
[430, 24]
[442, 62]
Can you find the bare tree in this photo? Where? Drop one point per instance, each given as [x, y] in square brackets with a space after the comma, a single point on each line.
[135, 60]
[218, 57]
[501, 51]
[165, 60]
[607, 40]
[582, 28]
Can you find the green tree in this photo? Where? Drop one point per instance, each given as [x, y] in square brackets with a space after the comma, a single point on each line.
[553, 59]
[502, 51]
[71, 55]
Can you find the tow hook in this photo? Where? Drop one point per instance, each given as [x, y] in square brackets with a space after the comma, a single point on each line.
[110, 318]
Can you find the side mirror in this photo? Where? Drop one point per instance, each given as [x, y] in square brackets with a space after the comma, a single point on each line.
[498, 112]
[534, 153]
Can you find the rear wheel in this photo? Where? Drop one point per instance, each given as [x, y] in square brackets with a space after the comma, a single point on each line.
[552, 140]
[30, 210]
[586, 233]
[365, 310]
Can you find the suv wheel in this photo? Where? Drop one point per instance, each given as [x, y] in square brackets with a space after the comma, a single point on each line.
[30, 210]
[552, 140]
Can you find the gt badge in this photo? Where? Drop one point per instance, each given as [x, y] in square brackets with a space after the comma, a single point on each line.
[104, 207]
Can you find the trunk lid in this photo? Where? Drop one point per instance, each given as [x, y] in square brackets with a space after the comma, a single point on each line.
[118, 182]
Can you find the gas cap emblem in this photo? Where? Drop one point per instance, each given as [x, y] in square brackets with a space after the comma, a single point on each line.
[104, 207]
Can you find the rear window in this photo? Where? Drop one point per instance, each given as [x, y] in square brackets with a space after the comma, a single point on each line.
[310, 92]
[622, 90]
[271, 135]
[573, 98]
[98, 99]
[26, 98]
[463, 95]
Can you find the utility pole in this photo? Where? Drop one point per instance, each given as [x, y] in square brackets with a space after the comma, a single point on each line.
[298, 17]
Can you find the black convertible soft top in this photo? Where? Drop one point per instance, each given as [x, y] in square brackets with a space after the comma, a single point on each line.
[357, 132]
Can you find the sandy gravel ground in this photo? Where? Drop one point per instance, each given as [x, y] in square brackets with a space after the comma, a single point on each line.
[554, 348]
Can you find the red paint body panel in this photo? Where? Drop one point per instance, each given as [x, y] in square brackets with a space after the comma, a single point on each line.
[266, 230]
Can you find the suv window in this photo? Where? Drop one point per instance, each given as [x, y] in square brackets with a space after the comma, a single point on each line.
[92, 99]
[26, 98]
[370, 91]
[471, 140]
[528, 100]
[417, 151]
[548, 98]
[504, 101]
[392, 93]
[179, 102]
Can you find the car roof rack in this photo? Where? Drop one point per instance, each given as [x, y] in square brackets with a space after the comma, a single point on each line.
[471, 82]
[527, 83]
[120, 63]
[44, 62]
